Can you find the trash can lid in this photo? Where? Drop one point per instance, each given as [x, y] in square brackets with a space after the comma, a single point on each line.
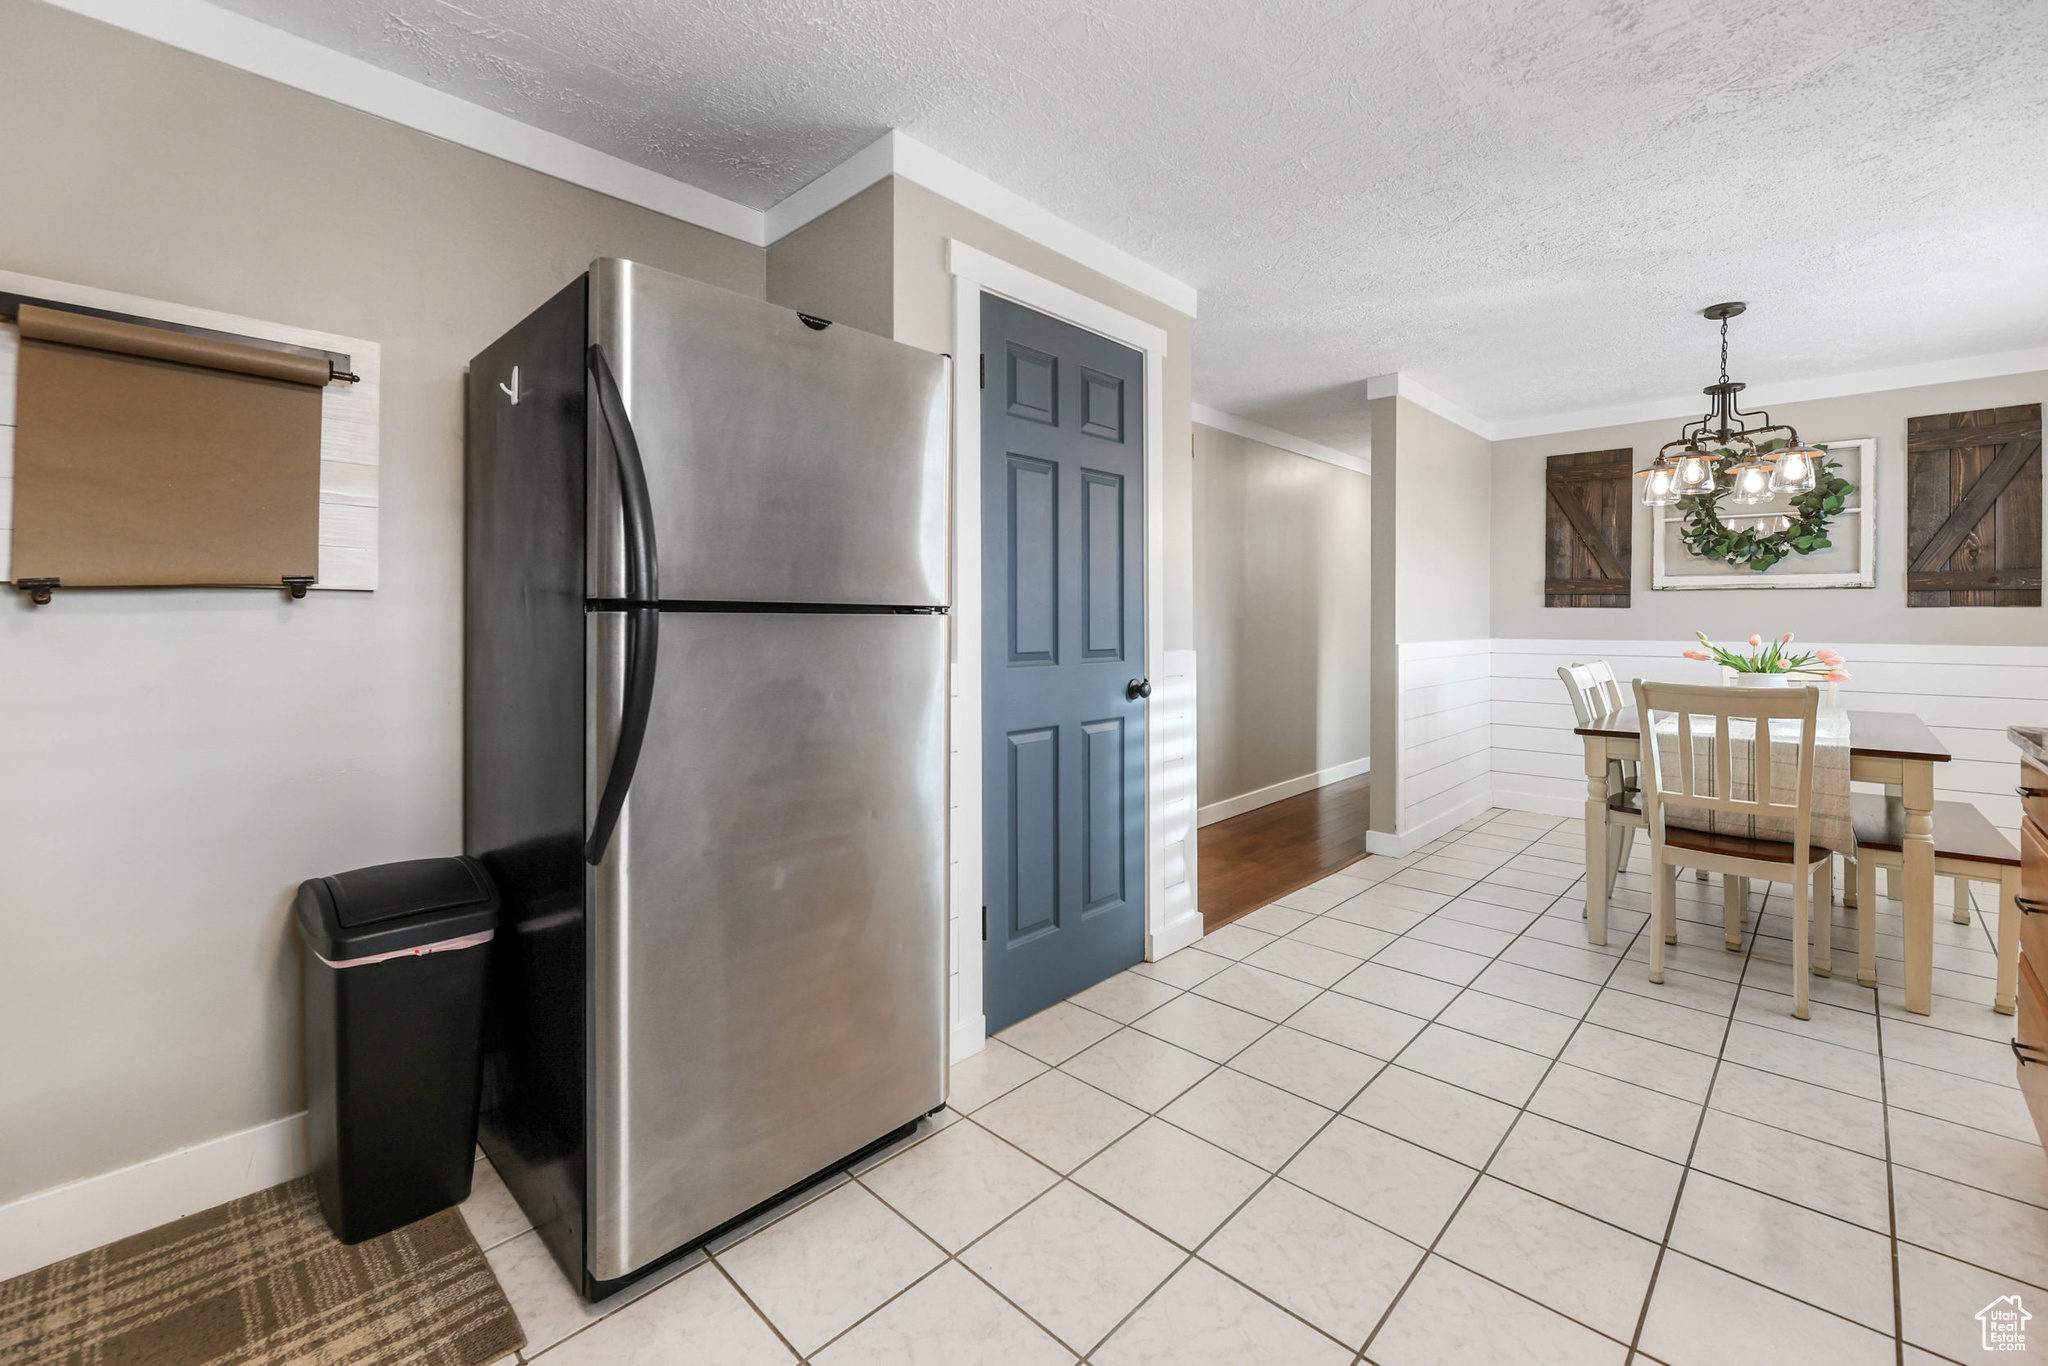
[391, 907]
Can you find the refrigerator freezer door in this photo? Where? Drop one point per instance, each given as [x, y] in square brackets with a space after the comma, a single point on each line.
[785, 464]
[767, 936]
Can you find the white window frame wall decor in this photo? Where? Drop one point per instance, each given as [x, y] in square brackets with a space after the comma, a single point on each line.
[348, 423]
[1859, 460]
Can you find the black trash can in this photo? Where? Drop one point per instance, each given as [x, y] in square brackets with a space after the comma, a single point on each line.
[395, 961]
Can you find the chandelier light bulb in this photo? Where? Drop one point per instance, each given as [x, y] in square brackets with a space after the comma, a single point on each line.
[1796, 470]
[1752, 484]
[1695, 472]
[1660, 487]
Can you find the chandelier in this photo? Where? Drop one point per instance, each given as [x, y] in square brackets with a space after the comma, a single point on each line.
[1756, 464]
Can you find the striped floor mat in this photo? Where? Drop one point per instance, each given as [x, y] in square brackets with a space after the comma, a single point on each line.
[262, 1280]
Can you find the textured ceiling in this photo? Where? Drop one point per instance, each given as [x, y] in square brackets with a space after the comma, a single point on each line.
[1521, 204]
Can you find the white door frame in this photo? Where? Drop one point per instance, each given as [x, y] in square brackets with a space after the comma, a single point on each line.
[975, 273]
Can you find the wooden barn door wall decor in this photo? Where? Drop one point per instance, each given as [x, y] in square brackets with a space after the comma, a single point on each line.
[1589, 517]
[1973, 508]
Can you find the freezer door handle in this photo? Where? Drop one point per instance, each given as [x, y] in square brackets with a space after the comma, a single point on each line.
[643, 617]
[642, 574]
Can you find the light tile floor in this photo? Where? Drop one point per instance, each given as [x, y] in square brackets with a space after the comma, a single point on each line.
[1489, 1143]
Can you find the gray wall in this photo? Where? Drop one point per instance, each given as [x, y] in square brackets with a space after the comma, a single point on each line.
[1430, 564]
[840, 265]
[1878, 615]
[1441, 513]
[924, 317]
[1283, 614]
[172, 763]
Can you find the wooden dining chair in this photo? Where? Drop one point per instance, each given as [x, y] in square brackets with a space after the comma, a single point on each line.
[1594, 693]
[1684, 782]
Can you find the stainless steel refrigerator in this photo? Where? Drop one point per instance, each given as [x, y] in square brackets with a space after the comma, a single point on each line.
[705, 754]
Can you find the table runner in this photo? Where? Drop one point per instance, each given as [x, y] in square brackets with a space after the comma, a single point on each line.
[1830, 828]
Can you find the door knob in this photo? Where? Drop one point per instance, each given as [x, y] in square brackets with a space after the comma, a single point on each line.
[1137, 688]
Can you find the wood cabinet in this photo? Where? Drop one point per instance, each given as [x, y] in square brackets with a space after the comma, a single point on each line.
[2031, 1045]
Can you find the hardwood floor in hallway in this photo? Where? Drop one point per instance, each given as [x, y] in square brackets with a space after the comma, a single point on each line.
[1253, 859]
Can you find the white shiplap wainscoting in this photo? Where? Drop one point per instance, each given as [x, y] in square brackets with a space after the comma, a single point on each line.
[1444, 777]
[1967, 694]
[1538, 763]
[1174, 697]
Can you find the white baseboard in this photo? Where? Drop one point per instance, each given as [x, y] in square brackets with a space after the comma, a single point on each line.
[1280, 792]
[1175, 935]
[1396, 843]
[969, 1037]
[64, 1221]
[1541, 803]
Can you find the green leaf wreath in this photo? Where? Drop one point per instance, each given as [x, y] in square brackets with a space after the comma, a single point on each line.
[1706, 536]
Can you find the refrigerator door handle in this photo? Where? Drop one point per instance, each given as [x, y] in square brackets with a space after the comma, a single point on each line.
[643, 621]
[638, 509]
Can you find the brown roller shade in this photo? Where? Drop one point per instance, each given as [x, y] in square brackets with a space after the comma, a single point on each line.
[148, 457]
[156, 343]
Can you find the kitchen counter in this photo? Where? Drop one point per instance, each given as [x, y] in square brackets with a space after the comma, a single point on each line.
[2032, 740]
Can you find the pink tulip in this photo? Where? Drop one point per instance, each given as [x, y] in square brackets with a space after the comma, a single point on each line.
[1697, 654]
[1756, 640]
[1836, 676]
[1829, 658]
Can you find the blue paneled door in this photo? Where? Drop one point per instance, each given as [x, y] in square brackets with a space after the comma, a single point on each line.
[1063, 659]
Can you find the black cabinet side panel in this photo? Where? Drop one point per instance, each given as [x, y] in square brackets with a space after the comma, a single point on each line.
[523, 778]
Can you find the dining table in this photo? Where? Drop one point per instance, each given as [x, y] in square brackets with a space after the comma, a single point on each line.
[1893, 748]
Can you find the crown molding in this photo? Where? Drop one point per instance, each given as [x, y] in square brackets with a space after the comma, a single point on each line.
[207, 30]
[1012, 281]
[1404, 386]
[246, 44]
[1286, 441]
[871, 164]
[1989, 366]
[899, 154]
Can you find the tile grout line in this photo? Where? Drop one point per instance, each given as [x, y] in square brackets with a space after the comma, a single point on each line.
[1272, 1176]
[949, 1256]
[1876, 1013]
[1535, 920]
[748, 1300]
[916, 1281]
[1067, 1177]
[1891, 1165]
[1891, 1197]
[1059, 1179]
[1699, 1126]
[1394, 1061]
[1689, 1168]
[1520, 1111]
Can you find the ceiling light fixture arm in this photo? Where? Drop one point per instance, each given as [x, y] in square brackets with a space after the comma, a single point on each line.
[1723, 442]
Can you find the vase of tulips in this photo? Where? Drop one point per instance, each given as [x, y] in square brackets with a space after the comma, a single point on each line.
[1772, 664]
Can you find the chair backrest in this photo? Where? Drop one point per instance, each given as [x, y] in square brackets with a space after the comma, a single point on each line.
[1594, 694]
[1593, 690]
[1610, 688]
[1683, 780]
